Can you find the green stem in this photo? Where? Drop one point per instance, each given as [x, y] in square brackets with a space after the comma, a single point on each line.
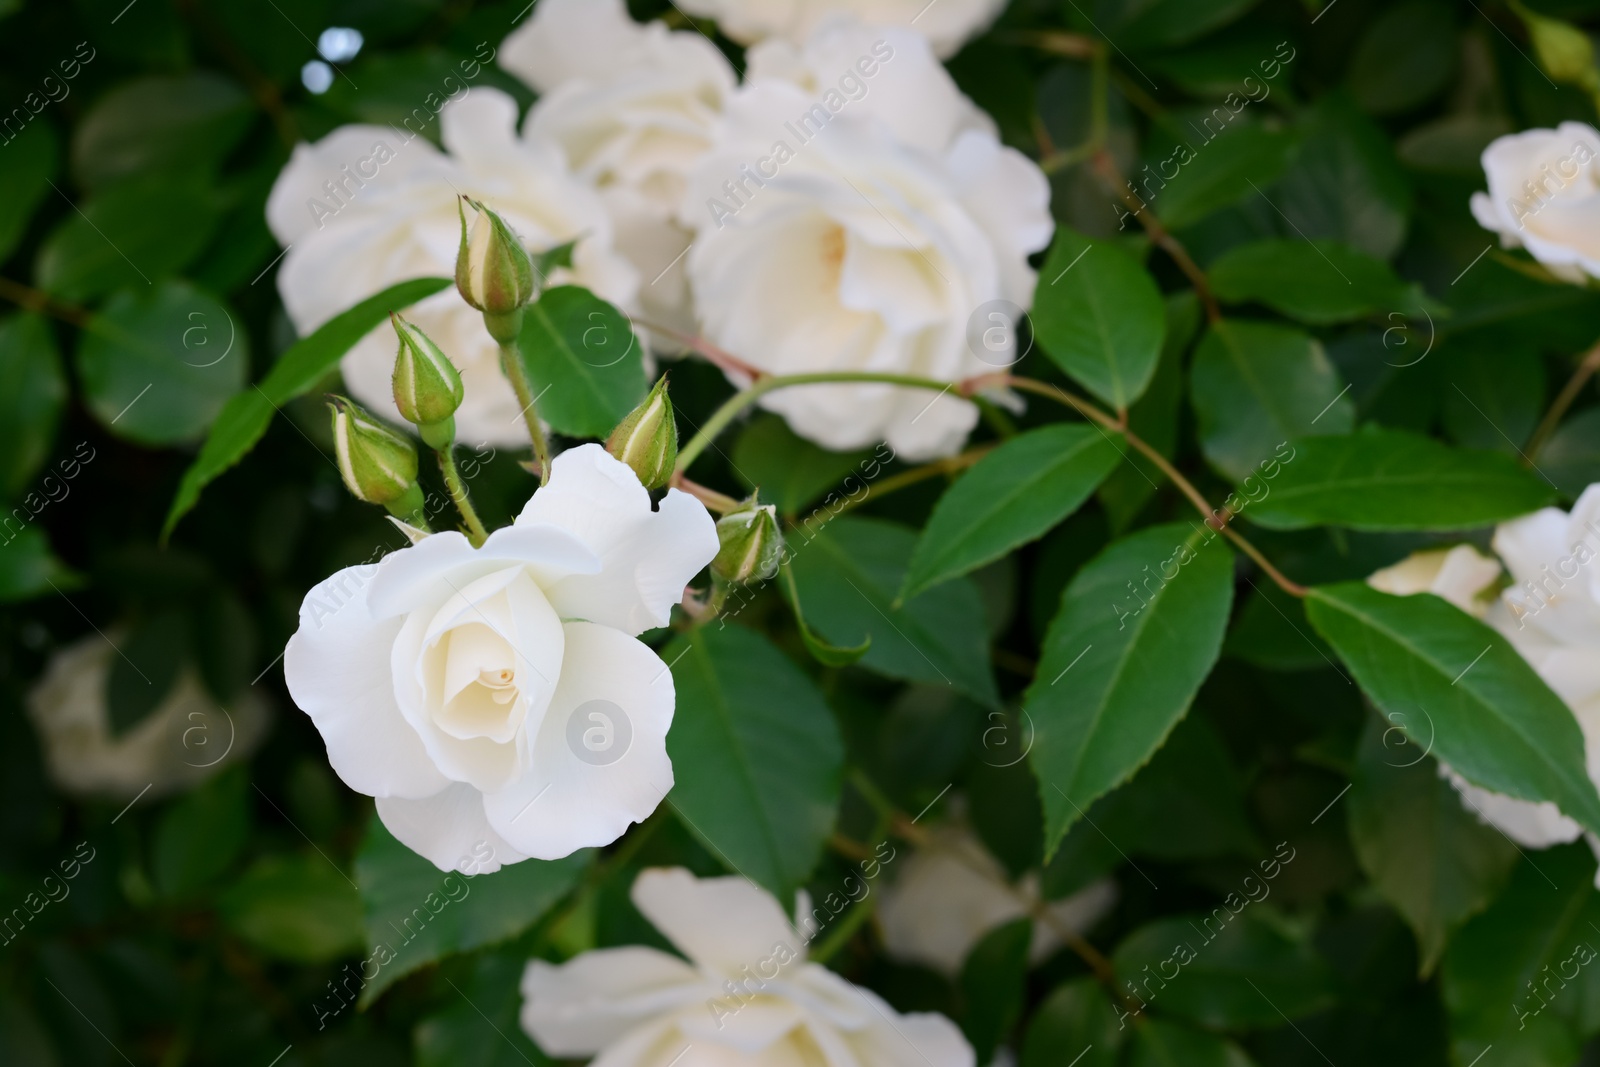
[843, 931]
[1569, 393]
[511, 363]
[741, 400]
[463, 501]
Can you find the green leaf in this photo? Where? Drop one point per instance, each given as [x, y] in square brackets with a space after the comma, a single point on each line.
[33, 389]
[200, 835]
[417, 915]
[1256, 386]
[459, 1034]
[30, 163]
[1217, 173]
[1435, 861]
[295, 907]
[1572, 455]
[1389, 480]
[1461, 691]
[128, 237]
[245, 417]
[551, 259]
[1315, 282]
[1219, 969]
[850, 573]
[1099, 315]
[1163, 1044]
[1156, 24]
[824, 653]
[1345, 183]
[991, 983]
[1522, 977]
[584, 362]
[1120, 668]
[1407, 56]
[158, 365]
[27, 565]
[1013, 495]
[1493, 393]
[1077, 1020]
[756, 754]
[159, 125]
[790, 471]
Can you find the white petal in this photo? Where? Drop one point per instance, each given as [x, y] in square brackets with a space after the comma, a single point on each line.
[646, 557]
[337, 667]
[449, 830]
[587, 1003]
[570, 797]
[1532, 825]
[429, 573]
[920, 1040]
[723, 924]
[750, 1026]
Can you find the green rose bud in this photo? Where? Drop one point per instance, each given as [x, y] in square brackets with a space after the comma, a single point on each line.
[427, 388]
[493, 271]
[1565, 52]
[752, 546]
[378, 464]
[647, 440]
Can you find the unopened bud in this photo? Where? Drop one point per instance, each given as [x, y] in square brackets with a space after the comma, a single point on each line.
[752, 546]
[1564, 51]
[493, 271]
[647, 440]
[378, 464]
[427, 388]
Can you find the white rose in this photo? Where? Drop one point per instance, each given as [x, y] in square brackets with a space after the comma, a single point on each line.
[868, 246]
[1544, 195]
[397, 219]
[947, 24]
[186, 739]
[1462, 575]
[633, 106]
[499, 695]
[952, 892]
[746, 996]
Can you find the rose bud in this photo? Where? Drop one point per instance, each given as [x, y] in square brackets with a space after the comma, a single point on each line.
[378, 465]
[1565, 52]
[493, 271]
[752, 545]
[647, 440]
[427, 388]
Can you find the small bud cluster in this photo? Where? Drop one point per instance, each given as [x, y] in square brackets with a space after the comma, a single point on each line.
[494, 271]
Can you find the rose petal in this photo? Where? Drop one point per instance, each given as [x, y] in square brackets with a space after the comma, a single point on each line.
[449, 830]
[585, 1004]
[723, 924]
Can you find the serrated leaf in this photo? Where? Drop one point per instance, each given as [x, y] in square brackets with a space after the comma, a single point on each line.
[1390, 480]
[1099, 316]
[850, 572]
[245, 418]
[1120, 668]
[1222, 171]
[1256, 386]
[584, 362]
[756, 756]
[824, 653]
[1461, 691]
[417, 915]
[1434, 860]
[1014, 495]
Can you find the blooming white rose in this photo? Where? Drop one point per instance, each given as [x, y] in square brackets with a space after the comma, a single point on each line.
[951, 892]
[860, 229]
[633, 106]
[1544, 195]
[369, 206]
[498, 695]
[186, 739]
[947, 24]
[746, 997]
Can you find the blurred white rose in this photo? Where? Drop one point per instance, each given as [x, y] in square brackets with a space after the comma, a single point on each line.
[1462, 575]
[947, 895]
[499, 695]
[186, 739]
[746, 997]
[633, 106]
[947, 24]
[363, 208]
[1544, 195]
[859, 227]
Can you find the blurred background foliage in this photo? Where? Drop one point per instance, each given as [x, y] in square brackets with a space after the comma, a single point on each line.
[212, 926]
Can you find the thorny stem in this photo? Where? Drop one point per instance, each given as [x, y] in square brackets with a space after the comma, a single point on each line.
[511, 363]
[1569, 393]
[459, 494]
